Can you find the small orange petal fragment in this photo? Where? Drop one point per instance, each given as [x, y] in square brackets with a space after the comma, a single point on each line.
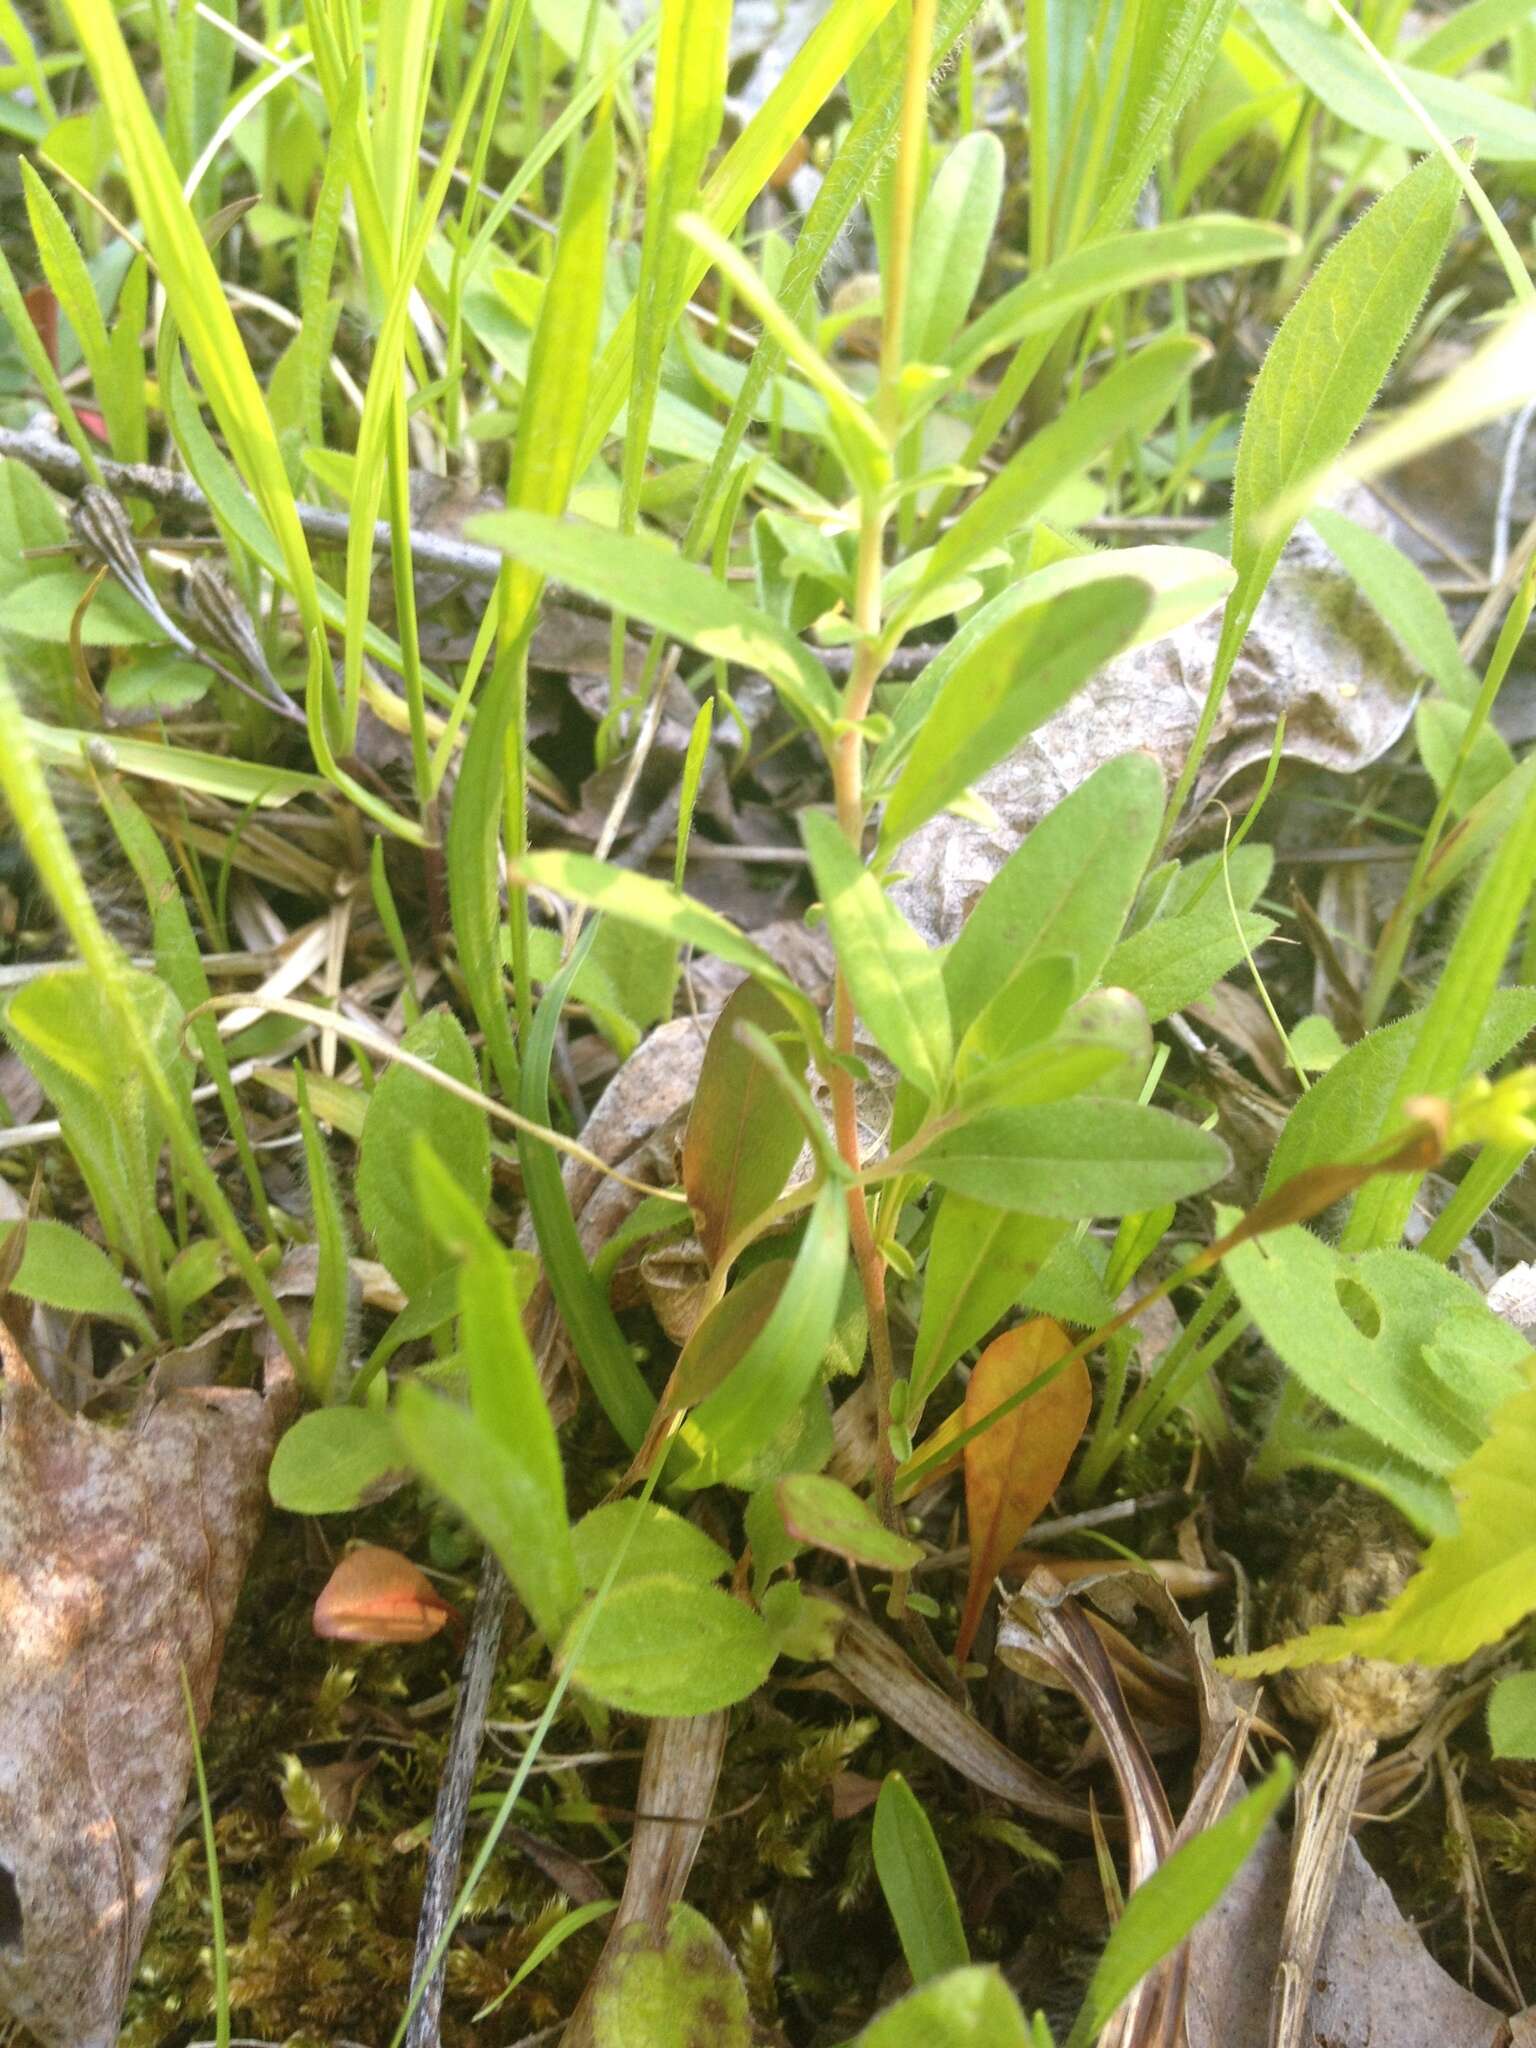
[378, 1596]
[1012, 1469]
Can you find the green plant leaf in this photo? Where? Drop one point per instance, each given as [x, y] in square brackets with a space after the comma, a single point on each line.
[1180, 1892]
[1468, 985]
[1317, 382]
[545, 465]
[1474, 27]
[1440, 729]
[830, 1516]
[916, 1884]
[1009, 678]
[742, 1136]
[180, 965]
[970, 2008]
[1067, 889]
[1512, 1717]
[1476, 1582]
[64, 1270]
[951, 243]
[403, 1107]
[656, 907]
[1345, 1111]
[330, 1312]
[1121, 263]
[979, 1262]
[652, 1539]
[1349, 85]
[677, 1989]
[1131, 399]
[1176, 44]
[897, 981]
[771, 1378]
[327, 1462]
[1328, 360]
[687, 102]
[644, 580]
[808, 80]
[1084, 1157]
[1178, 960]
[1391, 1341]
[599, 1343]
[62, 1026]
[498, 1461]
[664, 1645]
[1403, 598]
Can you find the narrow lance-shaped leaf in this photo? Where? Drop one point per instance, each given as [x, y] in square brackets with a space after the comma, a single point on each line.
[910, 1867]
[642, 900]
[1130, 400]
[825, 1513]
[1067, 890]
[499, 1460]
[645, 580]
[742, 1415]
[979, 1262]
[1035, 654]
[1323, 369]
[543, 467]
[810, 78]
[1012, 1469]
[687, 102]
[1160, 1912]
[599, 1343]
[742, 1136]
[330, 1311]
[897, 981]
[1085, 1157]
[951, 243]
[1123, 263]
[1349, 85]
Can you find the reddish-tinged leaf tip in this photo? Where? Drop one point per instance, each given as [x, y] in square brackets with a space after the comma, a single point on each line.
[377, 1596]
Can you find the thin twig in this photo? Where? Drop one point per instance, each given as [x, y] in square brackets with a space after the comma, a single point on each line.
[446, 1848]
[168, 488]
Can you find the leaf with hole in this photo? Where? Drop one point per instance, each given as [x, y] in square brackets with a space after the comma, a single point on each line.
[1388, 1339]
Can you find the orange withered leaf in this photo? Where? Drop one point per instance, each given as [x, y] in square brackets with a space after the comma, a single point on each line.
[1012, 1469]
[377, 1596]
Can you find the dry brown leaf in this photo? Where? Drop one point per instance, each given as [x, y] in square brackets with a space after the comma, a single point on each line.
[677, 1789]
[1375, 1982]
[1316, 651]
[121, 1557]
[885, 1675]
[1012, 1469]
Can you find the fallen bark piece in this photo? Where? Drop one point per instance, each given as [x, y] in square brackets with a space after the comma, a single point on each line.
[1374, 1981]
[122, 1553]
